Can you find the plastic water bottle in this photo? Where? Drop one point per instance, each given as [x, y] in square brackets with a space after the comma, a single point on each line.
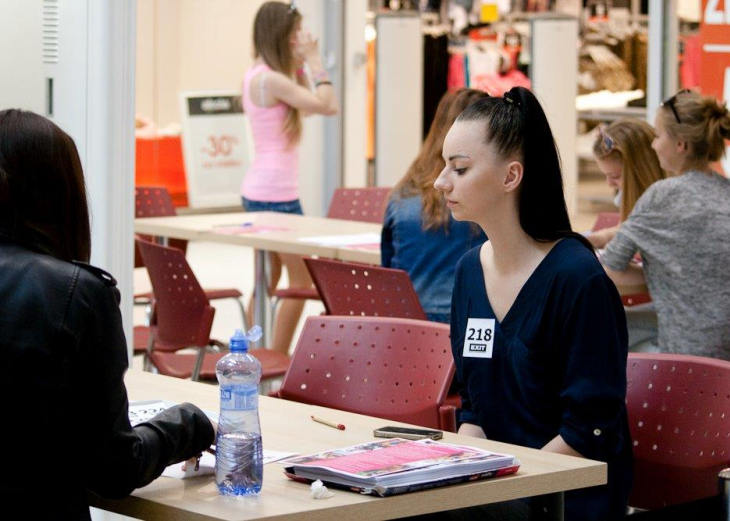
[239, 457]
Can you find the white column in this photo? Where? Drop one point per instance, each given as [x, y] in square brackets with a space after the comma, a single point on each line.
[661, 78]
[354, 102]
[398, 95]
[554, 76]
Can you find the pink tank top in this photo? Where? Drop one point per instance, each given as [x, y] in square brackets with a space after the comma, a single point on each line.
[273, 175]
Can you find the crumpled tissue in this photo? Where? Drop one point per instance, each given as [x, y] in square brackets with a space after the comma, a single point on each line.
[319, 491]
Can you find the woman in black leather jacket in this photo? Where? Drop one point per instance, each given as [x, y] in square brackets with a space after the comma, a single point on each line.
[63, 353]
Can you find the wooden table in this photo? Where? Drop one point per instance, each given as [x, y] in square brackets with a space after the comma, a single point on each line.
[287, 427]
[294, 227]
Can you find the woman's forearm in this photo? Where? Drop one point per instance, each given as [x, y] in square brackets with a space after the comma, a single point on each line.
[633, 275]
[469, 429]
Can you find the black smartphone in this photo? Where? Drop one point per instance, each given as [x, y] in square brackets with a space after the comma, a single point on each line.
[407, 433]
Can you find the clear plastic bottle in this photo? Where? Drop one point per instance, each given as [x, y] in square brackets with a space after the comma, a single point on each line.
[239, 469]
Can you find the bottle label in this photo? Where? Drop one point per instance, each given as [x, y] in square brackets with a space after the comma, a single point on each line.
[239, 397]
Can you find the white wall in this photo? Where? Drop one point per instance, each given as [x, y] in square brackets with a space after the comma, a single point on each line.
[21, 83]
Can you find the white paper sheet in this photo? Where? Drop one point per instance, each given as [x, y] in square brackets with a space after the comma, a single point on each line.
[344, 240]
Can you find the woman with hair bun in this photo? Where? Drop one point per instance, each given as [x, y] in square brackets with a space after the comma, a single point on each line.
[538, 331]
[681, 226]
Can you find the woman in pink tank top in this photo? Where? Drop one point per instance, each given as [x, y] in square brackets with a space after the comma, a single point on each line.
[277, 91]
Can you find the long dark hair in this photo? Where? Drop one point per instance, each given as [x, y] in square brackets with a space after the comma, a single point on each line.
[42, 192]
[516, 126]
[428, 165]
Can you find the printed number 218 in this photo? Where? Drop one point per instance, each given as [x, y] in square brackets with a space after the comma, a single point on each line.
[481, 334]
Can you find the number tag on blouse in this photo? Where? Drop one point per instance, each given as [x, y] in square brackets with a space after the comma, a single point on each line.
[479, 338]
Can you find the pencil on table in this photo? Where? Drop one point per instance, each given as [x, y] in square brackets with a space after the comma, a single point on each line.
[327, 422]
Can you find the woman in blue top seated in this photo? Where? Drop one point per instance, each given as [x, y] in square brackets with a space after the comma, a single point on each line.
[419, 236]
[537, 328]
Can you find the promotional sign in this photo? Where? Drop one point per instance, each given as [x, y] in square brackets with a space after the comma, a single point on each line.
[216, 147]
[715, 64]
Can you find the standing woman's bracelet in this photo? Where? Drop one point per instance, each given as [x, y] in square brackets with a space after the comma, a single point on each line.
[320, 77]
[328, 82]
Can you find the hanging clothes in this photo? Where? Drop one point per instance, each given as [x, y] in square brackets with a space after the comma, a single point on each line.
[457, 71]
[435, 75]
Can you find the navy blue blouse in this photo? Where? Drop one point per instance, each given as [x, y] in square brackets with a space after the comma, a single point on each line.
[429, 256]
[557, 366]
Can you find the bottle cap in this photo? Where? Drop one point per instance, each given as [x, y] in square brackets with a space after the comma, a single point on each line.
[239, 340]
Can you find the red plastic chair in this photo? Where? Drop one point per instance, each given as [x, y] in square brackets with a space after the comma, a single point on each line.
[359, 204]
[352, 204]
[396, 369]
[679, 413]
[155, 201]
[183, 318]
[352, 289]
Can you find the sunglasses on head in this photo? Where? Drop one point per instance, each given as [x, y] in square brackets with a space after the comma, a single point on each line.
[669, 102]
[607, 141]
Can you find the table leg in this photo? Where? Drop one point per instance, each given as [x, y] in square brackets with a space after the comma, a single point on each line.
[550, 507]
[261, 296]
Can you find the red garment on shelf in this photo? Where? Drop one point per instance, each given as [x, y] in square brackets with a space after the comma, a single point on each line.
[457, 72]
[498, 84]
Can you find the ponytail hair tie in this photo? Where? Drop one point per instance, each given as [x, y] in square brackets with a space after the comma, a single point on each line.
[510, 98]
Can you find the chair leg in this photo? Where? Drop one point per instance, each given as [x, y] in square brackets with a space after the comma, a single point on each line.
[244, 320]
[198, 365]
[273, 304]
[148, 314]
[147, 363]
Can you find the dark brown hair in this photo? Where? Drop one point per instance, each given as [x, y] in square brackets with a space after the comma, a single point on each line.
[429, 163]
[272, 30]
[42, 191]
[629, 141]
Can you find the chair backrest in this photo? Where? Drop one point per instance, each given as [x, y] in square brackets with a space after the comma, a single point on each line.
[352, 289]
[397, 369]
[359, 204]
[606, 220]
[154, 201]
[183, 315]
[679, 413]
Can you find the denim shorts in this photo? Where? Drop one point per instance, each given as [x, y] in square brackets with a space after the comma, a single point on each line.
[294, 206]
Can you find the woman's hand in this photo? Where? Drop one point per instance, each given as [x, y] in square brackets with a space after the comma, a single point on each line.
[308, 47]
[194, 460]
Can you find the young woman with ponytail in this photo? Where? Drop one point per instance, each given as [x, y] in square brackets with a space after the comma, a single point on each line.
[680, 226]
[276, 93]
[537, 328]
